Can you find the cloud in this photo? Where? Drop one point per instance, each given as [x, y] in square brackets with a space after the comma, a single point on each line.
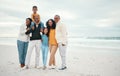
[86, 13]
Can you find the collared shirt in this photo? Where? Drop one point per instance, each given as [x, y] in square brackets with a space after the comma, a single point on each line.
[61, 33]
[41, 23]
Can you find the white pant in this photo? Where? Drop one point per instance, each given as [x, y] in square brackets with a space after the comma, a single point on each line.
[37, 45]
[62, 50]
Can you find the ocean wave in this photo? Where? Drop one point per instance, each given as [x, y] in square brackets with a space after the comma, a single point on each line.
[105, 38]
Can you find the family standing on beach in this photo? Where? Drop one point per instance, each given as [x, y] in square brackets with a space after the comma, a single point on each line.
[33, 34]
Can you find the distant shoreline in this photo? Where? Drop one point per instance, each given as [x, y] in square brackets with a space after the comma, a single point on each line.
[100, 38]
[94, 42]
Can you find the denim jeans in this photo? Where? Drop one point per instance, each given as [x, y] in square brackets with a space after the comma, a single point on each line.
[22, 50]
[44, 54]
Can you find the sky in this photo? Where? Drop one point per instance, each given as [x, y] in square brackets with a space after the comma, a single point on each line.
[76, 14]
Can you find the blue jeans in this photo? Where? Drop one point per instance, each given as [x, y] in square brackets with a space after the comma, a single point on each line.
[22, 50]
[44, 54]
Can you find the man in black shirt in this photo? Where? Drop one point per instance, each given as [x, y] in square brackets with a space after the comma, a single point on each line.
[35, 42]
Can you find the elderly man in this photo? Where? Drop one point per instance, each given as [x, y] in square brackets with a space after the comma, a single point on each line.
[35, 42]
[61, 37]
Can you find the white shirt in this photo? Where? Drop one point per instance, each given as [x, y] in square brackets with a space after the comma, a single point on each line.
[22, 36]
[61, 33]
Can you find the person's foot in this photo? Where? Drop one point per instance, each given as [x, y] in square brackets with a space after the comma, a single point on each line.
[37, 67]
[63, 68]
[49, 67]
[53, 67]
[44, 67]
[25, 67]
[22, 65]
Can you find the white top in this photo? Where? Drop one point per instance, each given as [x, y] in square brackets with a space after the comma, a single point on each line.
[22, 36]
[61, 33]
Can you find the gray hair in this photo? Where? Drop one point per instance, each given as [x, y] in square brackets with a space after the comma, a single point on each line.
[58, 16]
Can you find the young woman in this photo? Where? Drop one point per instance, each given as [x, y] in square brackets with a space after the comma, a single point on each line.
[44, 47]
[22, 41]
[52, 42]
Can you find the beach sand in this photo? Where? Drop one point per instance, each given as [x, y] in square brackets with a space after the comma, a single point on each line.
[81, 61]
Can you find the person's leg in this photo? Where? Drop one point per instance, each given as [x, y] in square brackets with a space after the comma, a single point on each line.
[20, 47]
[52, 55]
[50, 47]
[54, 49]
[29, 52]
[25, 51]
[45, 55]
[37, 50]
[62, 50]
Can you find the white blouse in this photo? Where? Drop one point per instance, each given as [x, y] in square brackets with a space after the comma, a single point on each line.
[22, 36]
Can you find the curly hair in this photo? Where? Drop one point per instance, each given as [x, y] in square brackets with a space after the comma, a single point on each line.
[50, 27]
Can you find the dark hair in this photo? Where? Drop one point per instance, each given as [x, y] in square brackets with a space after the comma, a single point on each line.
[51, 27]
[43, 31]
[30, 21]
[34, 6]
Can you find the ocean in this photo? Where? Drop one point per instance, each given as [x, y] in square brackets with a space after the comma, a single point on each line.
[78, 37]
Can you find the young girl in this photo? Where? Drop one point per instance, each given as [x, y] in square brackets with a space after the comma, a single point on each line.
[44, 47]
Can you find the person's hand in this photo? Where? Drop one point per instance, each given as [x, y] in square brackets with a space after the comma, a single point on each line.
[28, 29]
[41, 30]
[63, 44]
[33, 28]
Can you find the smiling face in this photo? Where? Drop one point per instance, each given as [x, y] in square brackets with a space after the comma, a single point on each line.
[50, 23]
[27, 22]
[37, 19]
[45, 31]
[56, 18]
[34, 10]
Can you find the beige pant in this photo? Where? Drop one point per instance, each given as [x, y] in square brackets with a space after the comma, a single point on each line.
[62, 51]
